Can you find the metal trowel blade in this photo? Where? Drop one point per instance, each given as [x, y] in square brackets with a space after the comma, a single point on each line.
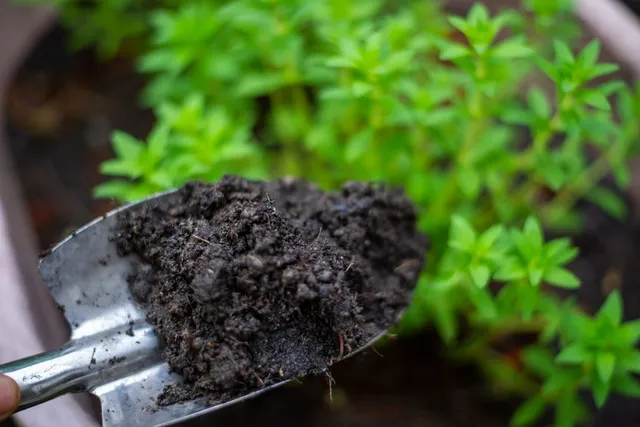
[114, 351]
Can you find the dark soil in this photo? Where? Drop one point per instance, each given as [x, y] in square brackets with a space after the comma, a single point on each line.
[250, 283]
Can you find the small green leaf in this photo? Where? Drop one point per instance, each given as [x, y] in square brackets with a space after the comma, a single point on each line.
[562, 51]
[609, 201]
[480, 275]
[458, 23]
[535, 275]
[574, 354]
[539, 359]
[561, 278]
[602, 70]
[513, 48]
[600, 392]
[446, 320]
[469, 182]
[560, 252]
[596, 99]
[461, 235]
[126, 146]
[484, 303]
[568, 410]
[605, 364]
[626, 384]
[539, 103]
[533, 232]
[528, 412]
[489, 238]
[454, 51]
[510, 270]
[611, 310]
[118, 190]
[589, 55]
[631, 332]
[358, 146]
[479, 13]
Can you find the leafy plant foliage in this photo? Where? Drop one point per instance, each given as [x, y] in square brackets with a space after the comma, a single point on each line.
[489, 121]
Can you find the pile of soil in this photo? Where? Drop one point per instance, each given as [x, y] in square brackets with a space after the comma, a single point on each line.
[249, 283]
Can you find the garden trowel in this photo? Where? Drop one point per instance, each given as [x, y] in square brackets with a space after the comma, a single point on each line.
[113, 352]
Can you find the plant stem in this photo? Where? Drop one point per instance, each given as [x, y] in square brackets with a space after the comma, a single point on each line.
[571, 193]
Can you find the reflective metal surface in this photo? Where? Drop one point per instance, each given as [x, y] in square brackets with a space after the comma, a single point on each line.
[113, 353]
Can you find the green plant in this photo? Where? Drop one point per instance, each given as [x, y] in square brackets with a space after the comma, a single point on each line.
[488, 122]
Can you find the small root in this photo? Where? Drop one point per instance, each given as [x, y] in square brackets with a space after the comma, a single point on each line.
[330, 382]
[341, 340]
[349, 267]
[259, 380]
[376, 351]
[202, 239]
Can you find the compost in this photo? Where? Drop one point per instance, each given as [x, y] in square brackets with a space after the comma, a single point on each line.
[250, 282]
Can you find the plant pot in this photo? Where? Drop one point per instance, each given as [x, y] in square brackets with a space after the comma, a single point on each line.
[395, 388]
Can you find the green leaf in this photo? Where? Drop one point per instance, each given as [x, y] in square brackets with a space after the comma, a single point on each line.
[359, 145]
[535, 275]
[562, 51]
[559, 381]
[602, 70]
[589, 55]
[489, 238]
[478, 13]
[611, 310]
[118, 190]
[533, 232]
[458, 23]
[461, 235]
[513, 48]
[126, 146]
[605, 364]
[559, 251]
[118, 167]
[446, 320]
[510, 270]
[561, 278]
[596, 99]
[568, 410]
[609, 201]
[484, 303]
[528, 412]
[538, 102]
[622, 176]
[625, 384]
[600, 392]
[257, 84]
[454, 51]
[540, 360]
[574, 354]
[480, 275]
[469, 182]
[631, 332]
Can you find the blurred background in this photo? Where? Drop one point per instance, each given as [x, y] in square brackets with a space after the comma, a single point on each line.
[59, 108]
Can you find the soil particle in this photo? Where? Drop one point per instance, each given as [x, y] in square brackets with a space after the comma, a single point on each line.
[248, 282]
[116, 360]
[129, 330]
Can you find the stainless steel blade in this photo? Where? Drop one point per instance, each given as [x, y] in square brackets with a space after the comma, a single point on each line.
[113, 352]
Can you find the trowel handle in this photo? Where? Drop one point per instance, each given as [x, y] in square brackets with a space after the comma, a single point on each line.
[85, 363]
[47, 375]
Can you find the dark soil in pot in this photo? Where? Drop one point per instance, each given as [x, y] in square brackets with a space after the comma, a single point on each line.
[61, 108]
[250, 283]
